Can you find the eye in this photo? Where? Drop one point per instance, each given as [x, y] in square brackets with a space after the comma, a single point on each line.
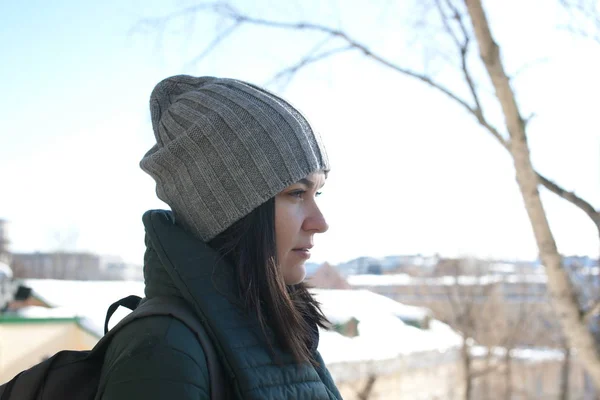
[297, 193]
[318, 194]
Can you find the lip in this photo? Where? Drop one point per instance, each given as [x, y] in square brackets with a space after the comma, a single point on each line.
[303, 252]
[310, 246]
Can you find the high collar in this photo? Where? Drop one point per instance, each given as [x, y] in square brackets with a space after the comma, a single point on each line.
[178, 264]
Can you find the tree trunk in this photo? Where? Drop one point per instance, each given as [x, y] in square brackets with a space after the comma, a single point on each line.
[365, 393]
[562, 293]
[466, 364]
[564, 374]
[508, 375]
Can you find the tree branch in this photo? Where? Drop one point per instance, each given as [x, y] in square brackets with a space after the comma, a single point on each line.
[459, 44]
[592, 311]
[463, 48]
[486, 370]
[589, 11]
[289, 72]
[562, 293]
[528, 66]
[218, 39]
[572, 198]
[227, 11]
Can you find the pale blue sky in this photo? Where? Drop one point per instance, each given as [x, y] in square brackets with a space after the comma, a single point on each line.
[411, 172]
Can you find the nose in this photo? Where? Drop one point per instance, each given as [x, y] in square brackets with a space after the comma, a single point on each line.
[315, 221]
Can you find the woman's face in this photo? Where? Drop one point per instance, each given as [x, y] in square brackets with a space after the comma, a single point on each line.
[297, 219]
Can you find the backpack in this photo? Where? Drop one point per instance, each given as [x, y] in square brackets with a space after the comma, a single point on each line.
[75, 375]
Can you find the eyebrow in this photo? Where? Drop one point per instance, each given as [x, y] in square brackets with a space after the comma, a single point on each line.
[310, 184]
[307, 182]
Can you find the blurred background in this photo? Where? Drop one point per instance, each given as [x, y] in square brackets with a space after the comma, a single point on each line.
[430, 273]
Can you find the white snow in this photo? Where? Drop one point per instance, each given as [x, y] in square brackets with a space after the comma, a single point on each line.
[88, 300]
[523, 354]
[5, 270]
[383, 337]
[379, 280]
[38, 312]
[363, 303]
[463, 280]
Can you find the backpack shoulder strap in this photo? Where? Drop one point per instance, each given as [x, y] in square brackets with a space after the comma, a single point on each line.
[179, 309]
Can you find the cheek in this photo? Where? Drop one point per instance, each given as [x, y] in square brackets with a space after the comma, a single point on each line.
[280, 229]
[287, 227]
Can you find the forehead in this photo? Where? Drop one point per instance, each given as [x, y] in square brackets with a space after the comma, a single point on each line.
[315, 179]
[318, 175]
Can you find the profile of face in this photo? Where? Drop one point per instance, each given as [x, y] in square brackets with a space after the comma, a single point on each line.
[297, 220]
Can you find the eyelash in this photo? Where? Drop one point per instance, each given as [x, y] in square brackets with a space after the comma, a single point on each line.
[299, 193]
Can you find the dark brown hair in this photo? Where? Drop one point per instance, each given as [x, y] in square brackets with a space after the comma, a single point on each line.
[289, 311]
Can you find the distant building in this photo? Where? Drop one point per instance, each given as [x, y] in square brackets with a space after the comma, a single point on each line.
[377, 349]
[5, 255]
[580, 261]
[413, 264]
[73, 266]
[6, 285]
[328, 277]
[507, 295]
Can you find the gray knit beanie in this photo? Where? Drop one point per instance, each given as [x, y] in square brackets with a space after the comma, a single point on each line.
[224, 147]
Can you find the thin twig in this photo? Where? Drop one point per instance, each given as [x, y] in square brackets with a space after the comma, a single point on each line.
[447, 26]
[595, 309]
[590, 11]
[528, 66]
[484, 371]
[289, 72]
[573, 198]
[230, 12]
[218, 39]
[464, 53]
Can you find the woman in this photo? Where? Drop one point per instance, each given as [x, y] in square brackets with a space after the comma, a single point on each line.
[240, 169]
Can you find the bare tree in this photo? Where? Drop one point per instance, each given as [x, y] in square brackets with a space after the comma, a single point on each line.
[584, 18]
[496, 313]
[474, 307]
[515, 326]
[64, 241]
[466, 24]
[565, 374]
[365, 392]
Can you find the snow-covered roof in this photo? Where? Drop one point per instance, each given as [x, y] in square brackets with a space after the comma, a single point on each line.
[341, 305]
[87, 300]
[380, 280]
[383, 336]
[38, 312]
[463, 280]
[58, 314]
[57, 292]
[311, 268]
[524, 354]
[5, 271]
[506, 268]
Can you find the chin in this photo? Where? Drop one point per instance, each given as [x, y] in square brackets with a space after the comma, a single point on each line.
[295, 275]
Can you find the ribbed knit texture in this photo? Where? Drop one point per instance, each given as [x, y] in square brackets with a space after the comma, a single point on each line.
[224, 147]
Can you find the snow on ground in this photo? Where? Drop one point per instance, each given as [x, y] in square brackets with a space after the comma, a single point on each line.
[383, 337]
[88, 300]
[382, 334]
[463, 280]
[38, 312]
[385, 343]
[524, 354]
[380, 280]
